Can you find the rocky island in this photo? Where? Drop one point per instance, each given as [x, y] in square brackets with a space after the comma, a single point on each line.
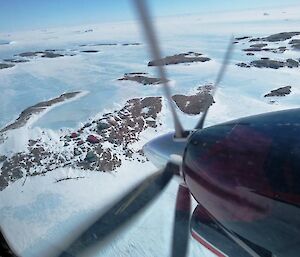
[25, 115]
[265, 62]
[6, 65]
[99, 145]
[142, 78]
[180, 58]
[197, 103]
[276, 43]
[282, 91]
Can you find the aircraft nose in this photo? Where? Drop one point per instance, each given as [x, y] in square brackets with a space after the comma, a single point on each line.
[160, 149]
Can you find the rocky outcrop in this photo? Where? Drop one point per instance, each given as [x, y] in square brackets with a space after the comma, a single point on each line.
[282, 91]
[280, 36]
[131, 44]
[266, 44]
[295, 43]
[25, 115]
[265, 62]
[90, 51]
[179, 58]
[242, 38]
[141, 78]
[44, 54]
[6, 65]
[99, 145]
[261, 48]
[197, 103]
[48, 54]
[16, 60]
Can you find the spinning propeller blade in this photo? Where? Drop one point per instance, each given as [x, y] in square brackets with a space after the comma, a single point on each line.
[156, 55]
[218, 79]
[122, 212]
[137, 199]
[181, 227]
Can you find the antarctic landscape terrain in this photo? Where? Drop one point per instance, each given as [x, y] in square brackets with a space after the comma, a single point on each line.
[77, 104]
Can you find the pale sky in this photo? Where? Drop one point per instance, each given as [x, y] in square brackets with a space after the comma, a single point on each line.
[33, 14]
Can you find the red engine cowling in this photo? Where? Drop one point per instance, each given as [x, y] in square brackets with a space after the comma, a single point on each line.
[246, 174]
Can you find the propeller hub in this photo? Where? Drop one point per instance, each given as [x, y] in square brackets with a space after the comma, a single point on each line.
[163, 149]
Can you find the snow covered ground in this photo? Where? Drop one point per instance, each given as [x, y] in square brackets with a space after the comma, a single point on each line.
[38, 213]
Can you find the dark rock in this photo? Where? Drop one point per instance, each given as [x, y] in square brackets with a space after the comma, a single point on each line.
[74, 135]
[292, 63]
[35, 109]
[2, 158]
[243, 65]
[32, 142]
[128, 153]
[77, 151]
[16, 60]
[254, 39]
[6, 66]
[142, 79]
[296, 46]
[91, 157]
[54, 50]
[51, 55]
[86, 125]
[282, 48]
[80, 142]
[28, 54]
[195, 104]
[294, 41]
[179, 58]
[105, 44]
[268, 64]
[43, 54]
[253, 49]
[259, 45]
[135, 73]
[102, 126]
[241, 38]
[131, 44]
[89, 51]
[282, 91]
[281, 36]
[67, 178]
[274, 50]
[92, 139]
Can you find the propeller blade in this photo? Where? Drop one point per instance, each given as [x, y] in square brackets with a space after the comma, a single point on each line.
[122, 212]
[181, 229]
[156, 55]
[220, 75]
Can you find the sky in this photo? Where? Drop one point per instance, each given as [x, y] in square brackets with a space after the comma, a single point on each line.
[33, 14]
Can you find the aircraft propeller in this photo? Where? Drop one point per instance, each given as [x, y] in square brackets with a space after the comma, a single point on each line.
[122, 212]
